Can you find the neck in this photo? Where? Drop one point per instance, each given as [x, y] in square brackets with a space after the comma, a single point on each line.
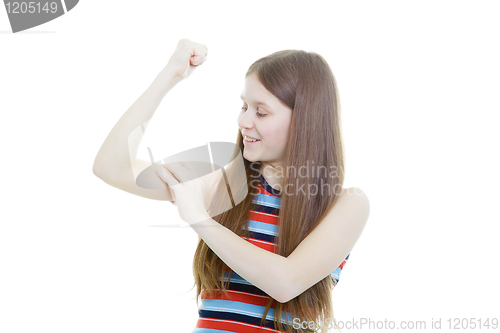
[270, 172]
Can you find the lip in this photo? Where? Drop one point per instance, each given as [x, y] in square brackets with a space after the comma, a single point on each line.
[249, 137]
[248, 143]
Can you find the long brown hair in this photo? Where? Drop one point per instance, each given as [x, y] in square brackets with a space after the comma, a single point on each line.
[304, 82]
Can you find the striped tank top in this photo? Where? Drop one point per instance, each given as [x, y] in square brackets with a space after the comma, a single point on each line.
[243, 310]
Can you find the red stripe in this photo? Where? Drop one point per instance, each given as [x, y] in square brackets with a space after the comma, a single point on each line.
[271, 247]
[240, 296]
[231, 325]
[263, 217]
[262, 190]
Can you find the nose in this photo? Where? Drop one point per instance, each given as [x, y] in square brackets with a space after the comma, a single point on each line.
[245, 120]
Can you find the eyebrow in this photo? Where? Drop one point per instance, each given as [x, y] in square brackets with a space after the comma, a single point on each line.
[256, 103]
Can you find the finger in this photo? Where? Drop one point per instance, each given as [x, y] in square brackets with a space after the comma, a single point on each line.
[197, 50]
[198, 60]
[187, 170]
[167, 177]
[178, 171]
[164, 178]
[186, 164]
[196, 169]
[190, 170]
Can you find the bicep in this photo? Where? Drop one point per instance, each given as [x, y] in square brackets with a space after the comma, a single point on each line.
[140, 180]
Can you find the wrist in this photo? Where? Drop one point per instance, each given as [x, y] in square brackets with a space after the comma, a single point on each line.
[201, 219]
[167, 79]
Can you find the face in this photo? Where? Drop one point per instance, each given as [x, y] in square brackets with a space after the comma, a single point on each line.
[263, 117]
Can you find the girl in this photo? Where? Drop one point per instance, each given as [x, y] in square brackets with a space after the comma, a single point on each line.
[270, 263]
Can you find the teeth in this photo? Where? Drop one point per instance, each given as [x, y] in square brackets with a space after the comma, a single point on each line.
[251, 140]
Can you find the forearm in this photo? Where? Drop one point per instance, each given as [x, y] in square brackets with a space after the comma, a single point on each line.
[266, 270]
[119, 150]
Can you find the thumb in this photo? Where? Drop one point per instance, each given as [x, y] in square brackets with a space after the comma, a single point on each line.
[197, 60]
[162, 176]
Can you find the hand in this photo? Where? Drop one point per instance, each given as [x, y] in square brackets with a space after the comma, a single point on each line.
[189, 190]
[186, 57]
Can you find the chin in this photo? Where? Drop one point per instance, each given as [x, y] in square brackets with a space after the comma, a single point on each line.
[250, 159]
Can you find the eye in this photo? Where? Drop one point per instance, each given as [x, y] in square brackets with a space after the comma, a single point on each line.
[260, 115]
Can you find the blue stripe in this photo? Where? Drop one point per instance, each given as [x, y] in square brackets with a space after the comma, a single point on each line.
[208, 330]
[235, 278]
[336, 273]
[267, 187]
[335, 281]
[221, 315]
[263, 228]
[246, 288]
[267, 210]
[267, 200]
[240, 308]
[262, 237]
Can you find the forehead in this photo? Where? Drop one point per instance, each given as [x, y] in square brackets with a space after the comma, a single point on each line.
[255, 93]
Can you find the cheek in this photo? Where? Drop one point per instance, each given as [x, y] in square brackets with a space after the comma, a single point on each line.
[281, 136]
[275, 141]
[282, 141]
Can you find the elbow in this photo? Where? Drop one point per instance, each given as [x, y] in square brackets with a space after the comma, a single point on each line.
[99, 168]
[281, 296]
[287, 287]
[288, 293]
[285, 296]
[94, 170]
[97, 171]
[100, 173]
[283, 300]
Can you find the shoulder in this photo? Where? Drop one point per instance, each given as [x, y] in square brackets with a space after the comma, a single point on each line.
[351, 206]
[353, 196]
[344, 223]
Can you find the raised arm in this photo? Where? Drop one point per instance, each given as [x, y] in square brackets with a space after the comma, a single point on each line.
[116, 162]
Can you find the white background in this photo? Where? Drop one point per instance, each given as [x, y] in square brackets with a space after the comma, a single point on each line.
[419, 87]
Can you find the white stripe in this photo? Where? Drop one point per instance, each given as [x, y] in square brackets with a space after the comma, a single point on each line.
[254, 211]
[239, 322]
[64, 6]
[258, 240]
[245, 293]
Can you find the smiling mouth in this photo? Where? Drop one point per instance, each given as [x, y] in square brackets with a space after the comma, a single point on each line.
[248, 139]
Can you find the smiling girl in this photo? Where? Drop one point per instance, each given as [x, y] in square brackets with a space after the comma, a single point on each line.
[268, 264]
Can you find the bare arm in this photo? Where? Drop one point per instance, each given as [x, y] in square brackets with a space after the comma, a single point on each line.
[116, 162]
[315, 258]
